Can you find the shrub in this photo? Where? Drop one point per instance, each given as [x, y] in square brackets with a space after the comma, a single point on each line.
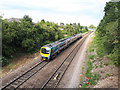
[91, 50]
[101, 66]
[107, 74]
[91, 57]
[28, 44]
[4, 61]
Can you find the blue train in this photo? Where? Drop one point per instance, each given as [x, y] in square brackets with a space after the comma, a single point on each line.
[49, 51]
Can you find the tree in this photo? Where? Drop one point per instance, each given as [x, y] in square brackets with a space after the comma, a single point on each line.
[92, 26]
[79, 25]
[74, 24]
[86, 28]
[108, 33]
[61, 24]
[42, 21]
[27, 18]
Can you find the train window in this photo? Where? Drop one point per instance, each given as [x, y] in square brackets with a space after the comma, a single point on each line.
[45, 51]
[62, 45]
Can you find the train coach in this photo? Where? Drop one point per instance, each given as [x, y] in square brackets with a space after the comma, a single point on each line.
[49, 51]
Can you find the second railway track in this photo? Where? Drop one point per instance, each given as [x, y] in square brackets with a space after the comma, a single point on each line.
[55, 78]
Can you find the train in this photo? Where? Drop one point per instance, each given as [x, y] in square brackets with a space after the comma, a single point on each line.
[50, 51]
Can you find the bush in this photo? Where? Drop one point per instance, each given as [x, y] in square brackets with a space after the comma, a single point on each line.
[114, 56]
[91, 57]
[91, 50]
[4, 61]
[28, 44]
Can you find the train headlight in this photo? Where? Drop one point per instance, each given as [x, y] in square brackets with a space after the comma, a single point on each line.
[41, 55]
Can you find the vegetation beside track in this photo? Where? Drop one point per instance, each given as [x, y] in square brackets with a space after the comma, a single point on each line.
[97, 68]
[104, 51]
[108, 33]
[24, 36]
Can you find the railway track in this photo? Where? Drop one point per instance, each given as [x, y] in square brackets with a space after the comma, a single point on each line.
[25, 76]
[55, 78]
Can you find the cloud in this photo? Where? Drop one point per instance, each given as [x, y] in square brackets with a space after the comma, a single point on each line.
[57, 18]
[69, 11]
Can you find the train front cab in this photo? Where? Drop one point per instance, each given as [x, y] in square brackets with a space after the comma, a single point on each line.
[45, 53]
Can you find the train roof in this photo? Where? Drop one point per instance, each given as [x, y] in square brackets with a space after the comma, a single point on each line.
[58, 42]
[55, 43]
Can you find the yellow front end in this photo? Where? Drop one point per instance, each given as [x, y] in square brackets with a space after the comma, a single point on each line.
[45, 55]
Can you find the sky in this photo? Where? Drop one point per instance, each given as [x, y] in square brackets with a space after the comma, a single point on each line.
[85, 12]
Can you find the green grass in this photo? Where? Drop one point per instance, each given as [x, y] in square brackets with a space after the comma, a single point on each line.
[96, 76]
[92, 46]
[107, 74]
[100, 51]
[91, 57]
[101, 71]
[93, 77]
[101, 66]
[85, 85]
[99, 59]
[82, 67]
[91, 50]
[96, 66]
[106, 64]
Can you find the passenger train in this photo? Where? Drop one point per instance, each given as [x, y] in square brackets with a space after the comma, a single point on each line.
[49, 51]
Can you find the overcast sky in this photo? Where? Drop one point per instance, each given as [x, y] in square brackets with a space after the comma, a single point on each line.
[85, 12]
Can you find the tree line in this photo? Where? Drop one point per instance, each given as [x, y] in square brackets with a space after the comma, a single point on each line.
[108, 32]
[24, 36]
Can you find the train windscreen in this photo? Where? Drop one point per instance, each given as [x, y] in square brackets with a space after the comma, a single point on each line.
[45, 51]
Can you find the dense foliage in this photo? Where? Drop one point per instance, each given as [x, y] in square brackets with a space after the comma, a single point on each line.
[108, 32]
[21, 36]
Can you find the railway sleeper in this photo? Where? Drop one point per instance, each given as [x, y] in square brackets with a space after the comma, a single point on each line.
[11, 87]
[16, 83]
[48, 85]
[21, 80]
[29, 74]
